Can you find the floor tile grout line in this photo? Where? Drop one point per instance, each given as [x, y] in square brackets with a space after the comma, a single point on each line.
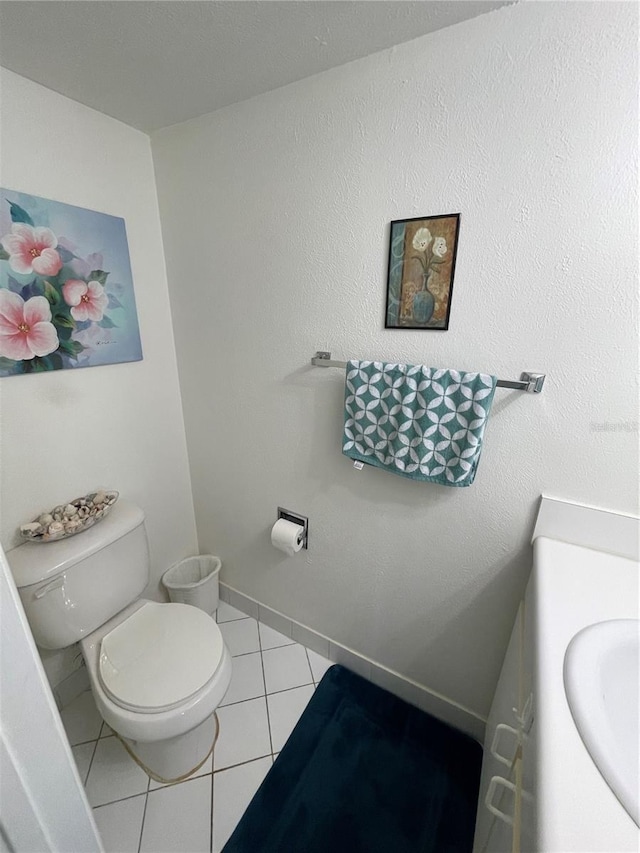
[271, 649]
[273, 693]
[235, 618]
[194, 778]
[85, 742]
[306, 657]
[93, 755]
[120, 800]
[184, 781]
[242, 701]
[289, 689]
[291, 642]
[144, 815]
[211, 811]
[246, 654]
[160, 787]
[266, 702]
[313, 677]
[282, 646]
[242, 763]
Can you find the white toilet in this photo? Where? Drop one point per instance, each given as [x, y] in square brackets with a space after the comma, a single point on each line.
[157, 671]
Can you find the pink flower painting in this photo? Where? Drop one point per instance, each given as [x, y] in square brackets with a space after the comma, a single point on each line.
[66, 293]
[26, 329]
[87, 300]
[32, 250]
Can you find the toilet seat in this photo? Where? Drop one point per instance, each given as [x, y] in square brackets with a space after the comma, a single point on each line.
[159, 657]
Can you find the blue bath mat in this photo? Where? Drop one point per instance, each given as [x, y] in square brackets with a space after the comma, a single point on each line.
[364, 772]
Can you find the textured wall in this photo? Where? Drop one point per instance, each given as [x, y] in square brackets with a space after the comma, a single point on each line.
[120, 426]
[275, 218]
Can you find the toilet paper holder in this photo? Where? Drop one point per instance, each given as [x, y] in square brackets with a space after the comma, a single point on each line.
[296, 518]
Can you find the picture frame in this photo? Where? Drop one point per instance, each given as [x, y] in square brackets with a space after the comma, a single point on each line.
[66, 287]
[422, 261]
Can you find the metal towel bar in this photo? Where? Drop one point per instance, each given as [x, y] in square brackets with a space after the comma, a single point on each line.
[530, 382]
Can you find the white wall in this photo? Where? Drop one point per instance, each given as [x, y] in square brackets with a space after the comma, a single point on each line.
[275, 218]
[66, 432]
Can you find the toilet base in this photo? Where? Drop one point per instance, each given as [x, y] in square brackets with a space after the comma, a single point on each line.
[177, 758]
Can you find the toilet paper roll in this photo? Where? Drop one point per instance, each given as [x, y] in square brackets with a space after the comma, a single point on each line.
[287, 536]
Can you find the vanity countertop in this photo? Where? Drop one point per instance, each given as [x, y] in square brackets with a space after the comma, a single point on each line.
[574, 809]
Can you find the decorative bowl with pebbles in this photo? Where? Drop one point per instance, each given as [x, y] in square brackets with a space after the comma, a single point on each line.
[68, 519]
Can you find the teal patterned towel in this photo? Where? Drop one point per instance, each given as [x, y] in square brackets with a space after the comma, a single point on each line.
[420, 422]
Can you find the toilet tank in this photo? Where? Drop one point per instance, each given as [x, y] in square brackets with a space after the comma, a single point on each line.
[71, 587]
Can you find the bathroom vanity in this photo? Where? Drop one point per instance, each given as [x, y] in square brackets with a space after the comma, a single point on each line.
[541, 787]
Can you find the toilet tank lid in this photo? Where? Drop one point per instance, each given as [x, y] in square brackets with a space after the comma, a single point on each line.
[33, 562]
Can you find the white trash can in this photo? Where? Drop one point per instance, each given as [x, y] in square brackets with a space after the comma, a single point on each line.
[194, 581]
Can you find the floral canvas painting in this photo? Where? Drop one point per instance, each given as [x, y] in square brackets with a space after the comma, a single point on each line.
[422, 258]
[66, 292]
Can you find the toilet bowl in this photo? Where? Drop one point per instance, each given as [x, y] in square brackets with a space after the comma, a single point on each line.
[159, 683]
[157, 671]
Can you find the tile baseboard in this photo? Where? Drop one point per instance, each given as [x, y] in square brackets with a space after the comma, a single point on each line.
[416, 694]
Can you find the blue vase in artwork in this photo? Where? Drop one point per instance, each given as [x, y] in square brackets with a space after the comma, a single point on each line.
[423, 305]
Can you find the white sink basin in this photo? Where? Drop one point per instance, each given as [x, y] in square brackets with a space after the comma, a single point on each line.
[601, 679]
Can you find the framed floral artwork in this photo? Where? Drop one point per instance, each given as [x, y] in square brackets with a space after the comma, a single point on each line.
[422, 260]
[66, 291]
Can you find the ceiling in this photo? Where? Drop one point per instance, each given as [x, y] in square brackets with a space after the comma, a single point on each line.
[152, 63]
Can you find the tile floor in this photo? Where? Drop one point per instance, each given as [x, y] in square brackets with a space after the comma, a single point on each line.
[273, 679]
